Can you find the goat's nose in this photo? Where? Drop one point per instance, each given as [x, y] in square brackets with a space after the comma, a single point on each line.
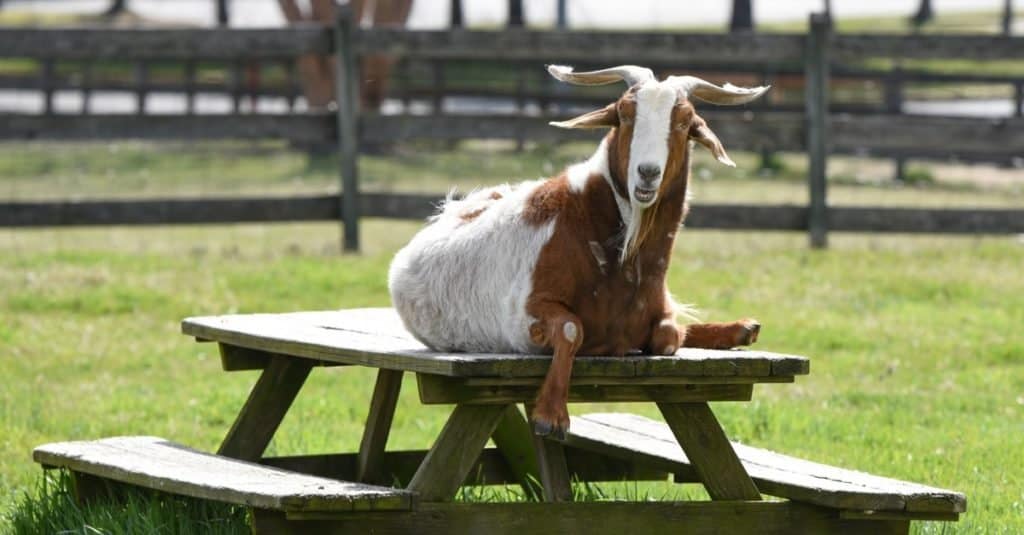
[648, 171]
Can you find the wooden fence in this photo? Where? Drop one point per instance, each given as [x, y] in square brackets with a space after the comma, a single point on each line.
[815, 129]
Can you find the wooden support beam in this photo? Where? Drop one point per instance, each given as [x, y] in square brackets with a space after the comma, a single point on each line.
[554, 471]
[709, 450]
[435, 389]
[263, 412]
[492, 468]
[455, 451]
[378, 426]
[513, 438]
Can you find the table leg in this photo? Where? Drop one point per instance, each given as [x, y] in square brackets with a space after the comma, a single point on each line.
[514, 440]
[554, 472]
[268, 402]
[712, 456]
[456, 450]
[378, 426]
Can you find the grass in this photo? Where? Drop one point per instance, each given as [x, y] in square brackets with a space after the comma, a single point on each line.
[52, 509]
[918, 368]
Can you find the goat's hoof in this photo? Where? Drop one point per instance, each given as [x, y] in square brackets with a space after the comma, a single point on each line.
[549, 429]
[748, 335]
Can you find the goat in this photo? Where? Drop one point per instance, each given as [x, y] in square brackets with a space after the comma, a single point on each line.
[574, 264]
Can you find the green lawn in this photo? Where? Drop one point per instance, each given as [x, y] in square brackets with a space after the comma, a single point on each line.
[917, 360]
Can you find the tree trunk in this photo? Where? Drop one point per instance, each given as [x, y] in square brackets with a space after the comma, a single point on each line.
[456, 14]
[742, 16]
[1007, 17]
[116, 8]
[924, 13]
[515, 14]
[222, 13]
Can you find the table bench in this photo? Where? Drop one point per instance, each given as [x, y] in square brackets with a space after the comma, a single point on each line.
[486, 391]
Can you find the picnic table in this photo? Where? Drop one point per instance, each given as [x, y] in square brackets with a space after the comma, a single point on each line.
[384, 491]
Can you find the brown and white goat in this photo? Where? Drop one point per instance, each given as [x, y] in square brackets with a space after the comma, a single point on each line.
[574, 264]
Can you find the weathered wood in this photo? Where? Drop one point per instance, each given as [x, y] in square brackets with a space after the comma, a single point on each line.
[554, 470]
[455, 451]
[266, 407]
[435, 389]
[370, 467]
[780, 130]
[512, 436]
[856, 48]
[709, 451]
[86, 87]
[235, 359]
[816, 58]
[377, 338]
[167, 211]
[411, 206]
[189, 75]
[492, 468]
[234, 82]
[158, 464]
[346, 86]
[895, 515]
[141, 78]
[68, 81]
[306, 128]
[591, 518]
[155, 43]
[578, 46]
[627, 436]
[927, 220]
[919, 134]
[46, 74]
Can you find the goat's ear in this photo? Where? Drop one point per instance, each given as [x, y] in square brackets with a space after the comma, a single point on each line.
[606, 117]
[701, 133]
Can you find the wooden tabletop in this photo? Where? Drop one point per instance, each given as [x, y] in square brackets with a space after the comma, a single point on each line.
[375, 337]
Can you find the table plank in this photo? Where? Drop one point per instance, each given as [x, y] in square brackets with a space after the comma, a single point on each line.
[159, 464]
[376, 337]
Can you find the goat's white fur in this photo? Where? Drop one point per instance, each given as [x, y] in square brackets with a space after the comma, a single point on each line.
[462, 285]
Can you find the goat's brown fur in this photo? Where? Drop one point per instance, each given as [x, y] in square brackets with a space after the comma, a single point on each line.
[615, 307]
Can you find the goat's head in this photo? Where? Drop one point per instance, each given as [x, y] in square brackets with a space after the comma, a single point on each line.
[654, 123]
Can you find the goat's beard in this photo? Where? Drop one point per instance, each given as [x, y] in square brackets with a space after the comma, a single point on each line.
[637, 230]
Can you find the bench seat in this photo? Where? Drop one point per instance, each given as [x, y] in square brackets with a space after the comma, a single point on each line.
[635, 438]
[158, 464]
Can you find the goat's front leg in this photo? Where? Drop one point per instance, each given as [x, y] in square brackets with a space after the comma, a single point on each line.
[562, 331]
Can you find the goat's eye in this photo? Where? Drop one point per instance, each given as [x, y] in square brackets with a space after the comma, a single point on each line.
[681, 126]
[625, 120]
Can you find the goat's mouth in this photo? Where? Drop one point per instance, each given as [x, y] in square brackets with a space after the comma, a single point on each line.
[643, 195]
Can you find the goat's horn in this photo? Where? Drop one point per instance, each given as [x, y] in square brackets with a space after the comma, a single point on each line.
[709, 92]
[632, 75]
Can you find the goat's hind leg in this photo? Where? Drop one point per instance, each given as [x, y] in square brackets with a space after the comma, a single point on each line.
[562, 331]
[721, 335]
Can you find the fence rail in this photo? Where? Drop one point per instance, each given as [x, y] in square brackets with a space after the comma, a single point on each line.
[418, 207]
[871, 129]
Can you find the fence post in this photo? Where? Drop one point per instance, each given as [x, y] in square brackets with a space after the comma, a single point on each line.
[346, 91]
[816, 109]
